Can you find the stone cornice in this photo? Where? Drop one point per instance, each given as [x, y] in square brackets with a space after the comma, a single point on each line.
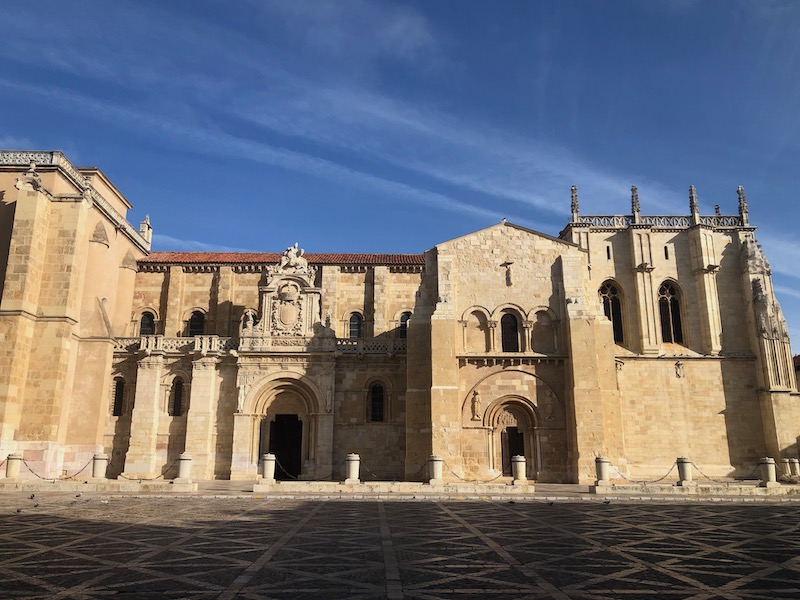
[58, 160]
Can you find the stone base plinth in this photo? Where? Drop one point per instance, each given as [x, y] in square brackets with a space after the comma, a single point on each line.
[698, 489]
[98, 485]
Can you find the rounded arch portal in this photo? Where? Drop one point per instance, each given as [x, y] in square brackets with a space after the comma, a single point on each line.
[284, 421]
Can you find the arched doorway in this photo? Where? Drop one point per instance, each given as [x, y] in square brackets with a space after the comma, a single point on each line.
[283, 437]
[513, 432]
[286, 429]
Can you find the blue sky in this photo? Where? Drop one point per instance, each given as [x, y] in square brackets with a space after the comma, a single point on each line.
[382, 126]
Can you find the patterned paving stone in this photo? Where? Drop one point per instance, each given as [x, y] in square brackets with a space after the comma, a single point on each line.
[87, 548]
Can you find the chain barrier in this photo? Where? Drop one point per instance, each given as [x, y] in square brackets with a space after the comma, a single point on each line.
[2, 462]
[471, 480]
[53, 479]
[645, 482]
[81, 470]
[156, 478]
[278, 463]
[27, 466]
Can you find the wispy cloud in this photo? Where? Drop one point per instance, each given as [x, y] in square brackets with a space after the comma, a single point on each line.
[782, 252]
[216, 143]
[164, 242]
[11, 142]
[339, 112]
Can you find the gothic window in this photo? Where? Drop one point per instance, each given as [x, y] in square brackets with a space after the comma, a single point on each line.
[197, 324]
[377, 403]
[509, 332]
[175, 407]
[403, 333]
[612, 307]
[147, 324]
[356, 322]
[669, 308]
[118, 407]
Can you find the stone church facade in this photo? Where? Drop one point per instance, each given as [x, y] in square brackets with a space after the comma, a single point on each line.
[640, 338]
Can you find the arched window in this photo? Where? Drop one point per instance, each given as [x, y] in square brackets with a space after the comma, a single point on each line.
[377, 403]
[403, 333]
[509, 332]
[147, 324]
[175, 408]
[118, 407]
[669, 308]
[612, 307]
[197, 324]
[355, 326]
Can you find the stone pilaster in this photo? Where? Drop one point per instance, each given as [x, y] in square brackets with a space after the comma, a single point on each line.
[642, 259]
[173, 317]
[705, 266]
[244, 462]
[201, 416]
[140, 461]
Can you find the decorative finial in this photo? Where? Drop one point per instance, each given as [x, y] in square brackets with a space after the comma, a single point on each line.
[743, 213]
[717, 210]
[635, 208]
[574, 203]
[504, 221]
[693, 206]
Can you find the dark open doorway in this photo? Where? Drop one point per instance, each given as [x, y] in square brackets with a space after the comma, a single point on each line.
[285, 442]
[513, 445]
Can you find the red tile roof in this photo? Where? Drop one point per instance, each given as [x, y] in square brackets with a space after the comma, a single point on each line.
[238, 258]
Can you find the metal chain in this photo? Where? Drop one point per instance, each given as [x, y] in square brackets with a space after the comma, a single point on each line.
[78, 472]
[277, 462]
[645, 481]
[471, 480]
[156, 478]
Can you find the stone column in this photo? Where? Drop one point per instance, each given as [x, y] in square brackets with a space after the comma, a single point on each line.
[185, 467]
[140, 461]
[244, 460]
[202, 415]
[684, 472]
[13, 463]
[767, 469]
[353, 464]
[518, 470]
[601, 470]
[268, 468]
[435, 470]
[99, 466]
[794, 465]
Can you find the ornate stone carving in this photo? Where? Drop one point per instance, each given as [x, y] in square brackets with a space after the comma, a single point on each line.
[477, 408]
[753, 258]
[292, 260]
[547, 405]
[679, 372]
[287, 311]
[507, 418]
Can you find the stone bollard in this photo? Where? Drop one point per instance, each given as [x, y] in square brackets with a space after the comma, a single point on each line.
[13, 464]
[353, 465]
[99, 466]
[684, 472]
[185, 466]
[786, 468]
[794, 465]
[518, 470]
[268, 468]
[601, 468]
[435, 470]
[767, 468]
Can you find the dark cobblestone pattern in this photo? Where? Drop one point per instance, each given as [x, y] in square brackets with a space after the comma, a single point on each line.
[89, 548]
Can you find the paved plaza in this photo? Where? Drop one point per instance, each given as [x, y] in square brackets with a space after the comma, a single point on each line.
[68, 546]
